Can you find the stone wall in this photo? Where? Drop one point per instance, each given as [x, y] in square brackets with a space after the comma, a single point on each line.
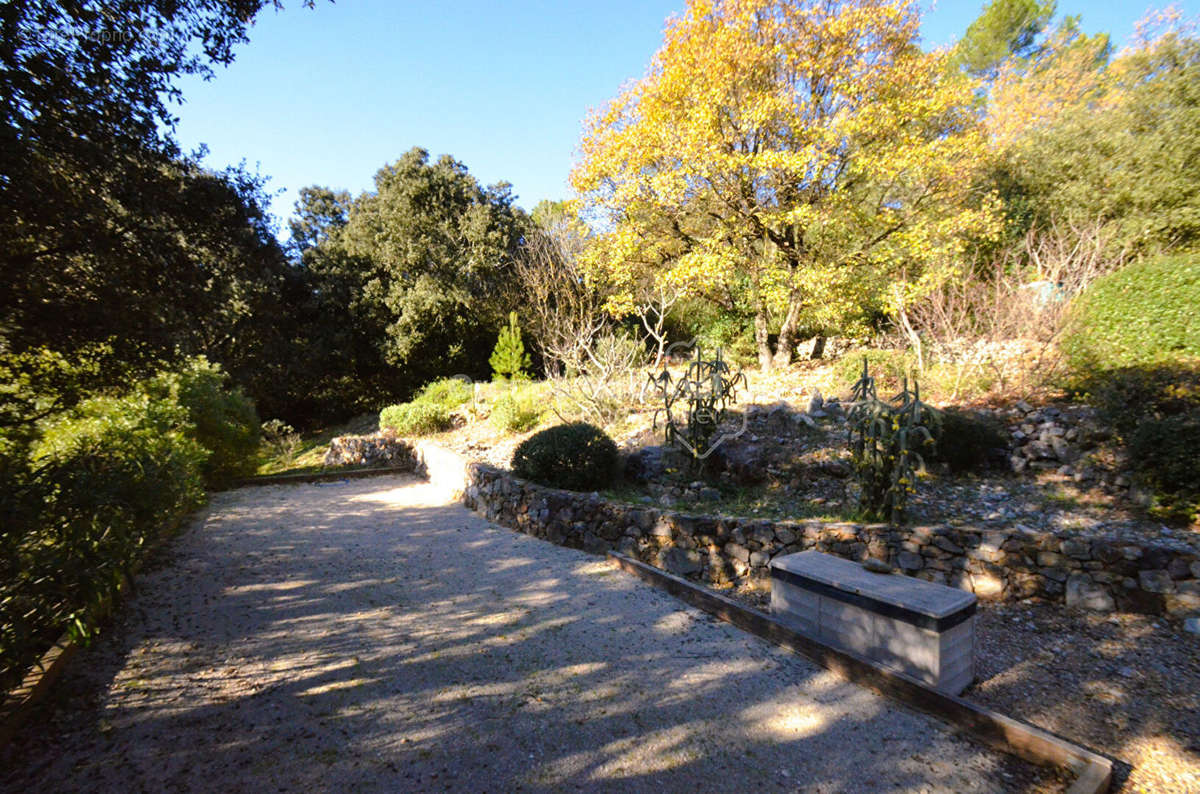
[1104, 574]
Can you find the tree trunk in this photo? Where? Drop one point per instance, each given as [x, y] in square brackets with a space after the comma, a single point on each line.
[761, 341]
[786, 345]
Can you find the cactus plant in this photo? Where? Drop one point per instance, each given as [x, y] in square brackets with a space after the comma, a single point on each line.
[884, 437]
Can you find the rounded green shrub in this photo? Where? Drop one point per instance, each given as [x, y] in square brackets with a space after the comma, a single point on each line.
[415, 418]
[449, 393]
[966, 440]
[576, 456]
[1142, 314]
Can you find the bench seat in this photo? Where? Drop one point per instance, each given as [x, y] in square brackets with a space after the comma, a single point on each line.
[923, 629]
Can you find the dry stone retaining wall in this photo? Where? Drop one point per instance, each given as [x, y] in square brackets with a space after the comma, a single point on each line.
[1098, 573]
[1092, 573]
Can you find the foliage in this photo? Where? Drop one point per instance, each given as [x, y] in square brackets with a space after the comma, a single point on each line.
[280, 438]
[1164, 451]
[1128, 396]
[965, 440]
[706, 389]
[219, 417]
[884, 439]
[449, 393]
[419, 274]
[892, 367]
[516, 411]
[416, 418]
[509, 359]
[1126, 153]
[430, 410]
[576, 456]
[800, 157]
[101, 483]
[1142, 314]
[1003, 30]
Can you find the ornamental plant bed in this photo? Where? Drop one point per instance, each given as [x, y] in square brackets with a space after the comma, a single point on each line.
[792, 463]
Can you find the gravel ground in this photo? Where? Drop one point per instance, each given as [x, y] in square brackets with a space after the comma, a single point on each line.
[1126, 686]
[366, 636]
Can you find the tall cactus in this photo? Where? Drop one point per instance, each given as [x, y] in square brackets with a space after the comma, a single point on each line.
[884, 437]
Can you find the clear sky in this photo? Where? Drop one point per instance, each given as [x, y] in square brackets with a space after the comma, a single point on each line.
[327, 96]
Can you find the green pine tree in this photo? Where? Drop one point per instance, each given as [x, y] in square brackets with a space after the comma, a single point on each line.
[509, 359]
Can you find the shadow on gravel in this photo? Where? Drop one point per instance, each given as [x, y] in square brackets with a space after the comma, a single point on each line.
[347, 637]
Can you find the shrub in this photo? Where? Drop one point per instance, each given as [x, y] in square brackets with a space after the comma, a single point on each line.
[965, 440]
[1164, 450]
[280, 437]
[106, 479]
[448, 393]
[416, 418]
[577, 456]
[1142, 314]
[889, 366]
[516, 412]
[1127, 396]
[218, 416]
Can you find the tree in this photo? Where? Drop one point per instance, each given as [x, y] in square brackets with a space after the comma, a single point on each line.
[421, 270]
[1005, 29]
[798, 157]
[1129, 159]
[509, 359]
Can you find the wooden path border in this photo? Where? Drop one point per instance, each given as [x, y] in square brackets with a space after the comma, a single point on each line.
[1093, 772]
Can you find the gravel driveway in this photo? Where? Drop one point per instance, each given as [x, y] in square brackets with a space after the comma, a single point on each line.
[368, 636]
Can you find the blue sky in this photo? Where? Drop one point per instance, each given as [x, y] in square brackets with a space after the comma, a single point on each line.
[329, 95]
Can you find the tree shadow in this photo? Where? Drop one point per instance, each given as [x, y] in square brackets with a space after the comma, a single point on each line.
[363, 637]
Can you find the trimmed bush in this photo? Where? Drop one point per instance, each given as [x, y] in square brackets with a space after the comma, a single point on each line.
[1143, 314]
[415, 418]
[577, 457]
[965, 440]
[516, 412]
[1165, 453]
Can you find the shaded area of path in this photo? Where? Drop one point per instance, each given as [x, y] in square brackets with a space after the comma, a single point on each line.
[367, 636]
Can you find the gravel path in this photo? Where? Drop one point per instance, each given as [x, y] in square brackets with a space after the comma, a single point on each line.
[367, 636]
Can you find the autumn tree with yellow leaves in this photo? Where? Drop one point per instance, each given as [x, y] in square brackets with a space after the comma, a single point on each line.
[805, 159]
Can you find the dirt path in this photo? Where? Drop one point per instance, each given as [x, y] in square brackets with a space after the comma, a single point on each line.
[367, 636]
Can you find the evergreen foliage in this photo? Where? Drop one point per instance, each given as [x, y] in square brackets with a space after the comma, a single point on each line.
[577, 457]
[509, 359]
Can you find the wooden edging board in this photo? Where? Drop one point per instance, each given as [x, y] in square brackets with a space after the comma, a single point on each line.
[321, 476]
[16, 706]
[1093, 772]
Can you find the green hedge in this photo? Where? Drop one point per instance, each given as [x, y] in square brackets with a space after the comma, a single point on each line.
[1143, 314]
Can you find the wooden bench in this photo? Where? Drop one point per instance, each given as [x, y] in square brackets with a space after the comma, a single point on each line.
[922, 629]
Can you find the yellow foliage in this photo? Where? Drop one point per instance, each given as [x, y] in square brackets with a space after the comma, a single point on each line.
[802, 155]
